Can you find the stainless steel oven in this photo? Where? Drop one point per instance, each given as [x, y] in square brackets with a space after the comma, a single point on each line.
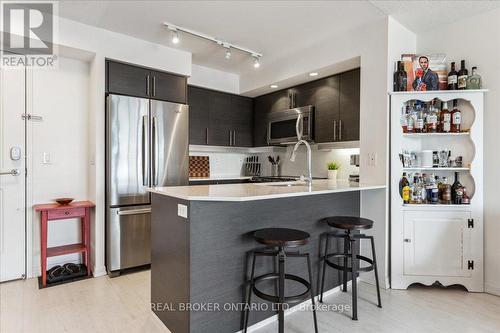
[285, 126]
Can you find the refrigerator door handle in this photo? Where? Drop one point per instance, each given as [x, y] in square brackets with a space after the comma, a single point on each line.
[143, 147]
[154, 147]
[134, 211]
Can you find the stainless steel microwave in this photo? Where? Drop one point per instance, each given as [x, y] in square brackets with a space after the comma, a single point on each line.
[285, 126]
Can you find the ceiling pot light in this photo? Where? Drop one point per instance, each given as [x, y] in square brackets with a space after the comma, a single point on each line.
[228, 53]
[175, 37]
[274, 86]
[313, 74]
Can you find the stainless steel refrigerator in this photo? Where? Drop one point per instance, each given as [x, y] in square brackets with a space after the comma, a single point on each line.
[146, 145]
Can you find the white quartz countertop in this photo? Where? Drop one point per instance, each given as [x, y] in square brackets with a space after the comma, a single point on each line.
[259, 191]
[194, 179]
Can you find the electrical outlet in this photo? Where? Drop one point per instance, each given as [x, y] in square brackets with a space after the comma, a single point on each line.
[372, 159]
[182, 211]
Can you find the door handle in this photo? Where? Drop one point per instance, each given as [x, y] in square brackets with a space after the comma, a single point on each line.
[143, 146]
[134, 211]
[154, 153]
[154, 86]
[334, 130]
[340, 129]
[13, 172]
[299, 126]
[147, 85]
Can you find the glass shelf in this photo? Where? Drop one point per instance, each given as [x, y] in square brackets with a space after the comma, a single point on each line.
[437, 169]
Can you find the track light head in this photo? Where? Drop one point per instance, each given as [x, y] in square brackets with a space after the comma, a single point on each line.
[175, 37]
[228, 52]
[256, 61]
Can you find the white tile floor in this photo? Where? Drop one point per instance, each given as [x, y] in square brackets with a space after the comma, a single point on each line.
[122, 305]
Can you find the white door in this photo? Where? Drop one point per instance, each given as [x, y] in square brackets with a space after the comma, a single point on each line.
[436, 243]
[12, 179]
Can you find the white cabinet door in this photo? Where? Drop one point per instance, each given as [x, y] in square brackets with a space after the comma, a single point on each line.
[437, 243]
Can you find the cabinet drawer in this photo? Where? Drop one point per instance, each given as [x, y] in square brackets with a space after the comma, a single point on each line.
[66, 214]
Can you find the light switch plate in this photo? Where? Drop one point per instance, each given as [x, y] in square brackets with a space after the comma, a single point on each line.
[46, 158]
[182, 211]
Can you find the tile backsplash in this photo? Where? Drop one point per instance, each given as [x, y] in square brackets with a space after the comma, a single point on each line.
[199, 166]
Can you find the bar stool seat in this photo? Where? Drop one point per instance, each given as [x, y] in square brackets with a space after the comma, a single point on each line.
[281, 237]
[349, 222]
[276, 240]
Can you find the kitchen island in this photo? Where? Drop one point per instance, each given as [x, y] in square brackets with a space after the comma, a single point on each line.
[202, 235]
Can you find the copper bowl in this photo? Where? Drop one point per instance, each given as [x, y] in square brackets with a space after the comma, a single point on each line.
[64, 201]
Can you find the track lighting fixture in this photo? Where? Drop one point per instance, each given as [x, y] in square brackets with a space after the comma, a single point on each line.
[174, 30]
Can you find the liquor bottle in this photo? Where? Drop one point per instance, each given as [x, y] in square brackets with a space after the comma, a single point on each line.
[453, 78]
[404, 186]
[416, 191]
[465, 197]
[456, 118]
[404, 119]
[434, 195]
[431, 119]
[446, 192]
[419, 118]
[400, 77]
[456, 190]
[462, 76]
[423, 182]
[445, 118]
[474, 81]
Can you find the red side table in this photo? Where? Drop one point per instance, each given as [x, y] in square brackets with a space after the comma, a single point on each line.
[55, 211]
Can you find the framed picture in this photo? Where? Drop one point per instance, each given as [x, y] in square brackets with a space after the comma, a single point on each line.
[425, 72]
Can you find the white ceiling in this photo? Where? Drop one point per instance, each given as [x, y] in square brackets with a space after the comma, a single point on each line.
[274, 28]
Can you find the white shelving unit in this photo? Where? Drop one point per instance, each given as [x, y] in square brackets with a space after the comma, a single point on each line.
[439, 243]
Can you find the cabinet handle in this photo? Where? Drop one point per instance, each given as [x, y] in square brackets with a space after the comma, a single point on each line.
[407, 240]
[340, 129]
[147, 85]
[234, 137]
[154, 86]
[334, 130]
[206, 135]
[230, 138]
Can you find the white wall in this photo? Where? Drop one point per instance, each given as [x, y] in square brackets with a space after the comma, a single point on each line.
[206, 77]
[61, 98]
[477, 40]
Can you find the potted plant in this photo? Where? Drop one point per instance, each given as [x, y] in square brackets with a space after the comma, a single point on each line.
[333, 168]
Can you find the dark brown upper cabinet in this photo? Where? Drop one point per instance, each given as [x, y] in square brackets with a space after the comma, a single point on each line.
[137, 81]
[219, 119]
[349, 106]
[336, 107]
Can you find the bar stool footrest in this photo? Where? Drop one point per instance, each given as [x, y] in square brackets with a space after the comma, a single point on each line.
[349, 268]
[275, 299]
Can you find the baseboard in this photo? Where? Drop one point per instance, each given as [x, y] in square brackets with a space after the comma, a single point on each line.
[293, 309]
[489, 289]
[99, 271]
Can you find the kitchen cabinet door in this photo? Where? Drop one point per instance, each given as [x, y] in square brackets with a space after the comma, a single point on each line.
[169, 87]
[242, 116]
[128, 80]
[436, 243]
[349, 106]
[326, 109]
[262, 107]
[199, 102]
[220, 119]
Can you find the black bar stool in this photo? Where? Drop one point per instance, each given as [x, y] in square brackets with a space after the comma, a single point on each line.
[276, 240]
[350, 223]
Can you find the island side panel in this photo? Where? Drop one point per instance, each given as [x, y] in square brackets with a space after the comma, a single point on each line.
[221, 239]
[169, 262]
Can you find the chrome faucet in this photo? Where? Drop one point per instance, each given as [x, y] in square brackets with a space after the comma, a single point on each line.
[308, 178]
